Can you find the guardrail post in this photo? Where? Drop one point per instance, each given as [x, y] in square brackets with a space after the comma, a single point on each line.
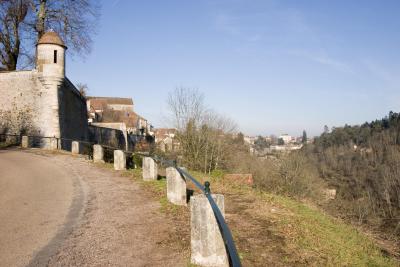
[176, 187]
[98, 154]
[207, 245]
[53, 144]
[119, 160]
[25, 141]
[75, 148]
[150, 169]
[59, 143]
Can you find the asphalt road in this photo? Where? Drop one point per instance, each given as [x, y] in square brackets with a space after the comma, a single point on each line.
[39, 202]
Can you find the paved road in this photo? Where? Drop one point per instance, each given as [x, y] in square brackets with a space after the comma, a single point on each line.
[62, 210]
[39, 201]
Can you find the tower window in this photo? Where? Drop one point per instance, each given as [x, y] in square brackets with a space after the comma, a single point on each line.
[55, 56]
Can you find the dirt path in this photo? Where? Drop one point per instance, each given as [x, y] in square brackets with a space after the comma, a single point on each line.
[120, 224]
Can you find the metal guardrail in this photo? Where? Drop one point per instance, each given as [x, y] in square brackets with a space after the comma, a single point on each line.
[234, 259]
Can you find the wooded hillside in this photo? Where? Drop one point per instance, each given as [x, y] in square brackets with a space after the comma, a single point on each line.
[363, 164]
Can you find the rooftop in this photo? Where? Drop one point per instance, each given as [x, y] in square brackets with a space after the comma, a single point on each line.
[51, 37]
[101, 103]
[111, 100]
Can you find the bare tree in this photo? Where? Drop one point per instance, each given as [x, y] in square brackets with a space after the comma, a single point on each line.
[23, 22]
[74, 20]
[186, 105]
[82, 88]
[203, 134]
[12, 14]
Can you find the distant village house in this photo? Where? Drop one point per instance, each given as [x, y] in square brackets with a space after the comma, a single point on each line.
[165, 139]
[117, 112]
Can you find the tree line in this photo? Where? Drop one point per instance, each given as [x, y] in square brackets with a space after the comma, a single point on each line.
[205, 137]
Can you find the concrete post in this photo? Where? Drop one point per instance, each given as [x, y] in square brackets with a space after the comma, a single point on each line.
[150, 169]
[176, 187]
[25, 142]
[98, 154]
[53, 144]
[59, 143]
[119, 160]
[75, 148]
[207, 245]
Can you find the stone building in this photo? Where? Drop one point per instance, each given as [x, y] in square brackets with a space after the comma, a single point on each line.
[286, 138]
[105, 111]
[165, 138]
[97, 105]
[43, 101]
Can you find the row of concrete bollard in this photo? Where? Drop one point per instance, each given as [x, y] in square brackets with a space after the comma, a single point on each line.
[207, 245]
[47, 143]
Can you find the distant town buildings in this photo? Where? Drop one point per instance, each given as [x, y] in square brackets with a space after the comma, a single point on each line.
[288, 147]
[115, 112]
[97, 105]
[281, 143]
[249, 139]
[287, 139]
[165, 139]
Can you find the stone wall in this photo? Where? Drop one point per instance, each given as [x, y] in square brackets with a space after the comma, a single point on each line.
[46, 106]
[117, 126]
[107, 137]
[32, 104]
[72, 112]
[105, 134]
[21, 109]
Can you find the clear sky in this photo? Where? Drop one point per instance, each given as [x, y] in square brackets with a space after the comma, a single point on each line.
[272, 66]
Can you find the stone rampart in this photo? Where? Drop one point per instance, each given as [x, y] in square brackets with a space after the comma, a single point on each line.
[21, 97]
[32, 104]
[107, 137]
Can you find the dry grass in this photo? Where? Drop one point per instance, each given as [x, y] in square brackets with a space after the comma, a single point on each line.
[271, 230]
[276, 230]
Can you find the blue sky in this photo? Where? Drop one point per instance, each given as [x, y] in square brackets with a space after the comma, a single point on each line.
[272, 66]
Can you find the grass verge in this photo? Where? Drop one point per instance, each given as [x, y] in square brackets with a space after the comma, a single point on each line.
[274, 230]
[316, 238]
[300, 234]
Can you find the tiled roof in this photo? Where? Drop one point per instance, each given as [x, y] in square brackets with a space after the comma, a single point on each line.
[51, 38]
[102, 102]
[130, 118]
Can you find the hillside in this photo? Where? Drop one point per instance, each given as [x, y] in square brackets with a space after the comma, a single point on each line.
[362, 163]
[271, 230]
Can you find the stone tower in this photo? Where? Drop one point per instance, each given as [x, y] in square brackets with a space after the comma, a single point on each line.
[50, 55]
[43, 101]
[50, 65]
